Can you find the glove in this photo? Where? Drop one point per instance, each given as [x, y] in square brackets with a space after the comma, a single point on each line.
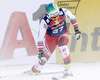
[77, 33]
[42, 58]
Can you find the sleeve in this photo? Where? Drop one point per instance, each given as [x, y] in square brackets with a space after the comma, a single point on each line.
[42, 31]
[72, 18]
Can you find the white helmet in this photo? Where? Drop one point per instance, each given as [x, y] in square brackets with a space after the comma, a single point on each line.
[52, 9]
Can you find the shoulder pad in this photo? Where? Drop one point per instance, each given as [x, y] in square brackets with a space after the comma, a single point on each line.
[47, 19]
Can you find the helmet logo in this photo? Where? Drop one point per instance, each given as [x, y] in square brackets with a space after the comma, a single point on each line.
[55, 5]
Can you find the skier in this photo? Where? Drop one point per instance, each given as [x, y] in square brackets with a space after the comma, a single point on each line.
[53, 31]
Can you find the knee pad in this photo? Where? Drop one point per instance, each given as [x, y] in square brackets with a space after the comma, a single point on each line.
[65, 53]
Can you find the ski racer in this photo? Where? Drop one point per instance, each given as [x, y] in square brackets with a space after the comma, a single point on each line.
[53, 31]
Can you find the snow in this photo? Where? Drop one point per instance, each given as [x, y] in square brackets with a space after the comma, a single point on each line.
[81, 71]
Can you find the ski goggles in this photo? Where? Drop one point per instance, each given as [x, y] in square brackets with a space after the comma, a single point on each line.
[55, 17]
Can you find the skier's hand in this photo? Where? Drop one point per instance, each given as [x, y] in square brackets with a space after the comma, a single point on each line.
[77, 36]
[42, 58]
[77, 33]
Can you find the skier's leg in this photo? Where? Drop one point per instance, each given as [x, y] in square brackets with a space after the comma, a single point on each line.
[42, 59]
[63, 41]
[48, 48]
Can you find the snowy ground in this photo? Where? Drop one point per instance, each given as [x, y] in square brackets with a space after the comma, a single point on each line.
[81, 71]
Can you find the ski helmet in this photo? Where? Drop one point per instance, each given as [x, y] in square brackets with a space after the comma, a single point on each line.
[52, 9]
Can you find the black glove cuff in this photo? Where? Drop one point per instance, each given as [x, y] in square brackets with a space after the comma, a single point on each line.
[76, 30]
[40, 53]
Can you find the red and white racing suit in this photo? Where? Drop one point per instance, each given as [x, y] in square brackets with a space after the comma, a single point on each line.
[55, 33]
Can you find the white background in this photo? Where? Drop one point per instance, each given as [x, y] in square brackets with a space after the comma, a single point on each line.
[7, 7]
[82, 71]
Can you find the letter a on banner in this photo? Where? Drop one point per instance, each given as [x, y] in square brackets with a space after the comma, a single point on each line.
[18, 21]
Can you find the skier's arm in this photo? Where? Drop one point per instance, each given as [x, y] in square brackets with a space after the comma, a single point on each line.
[42, 31]
[73, 21]
[71, 17]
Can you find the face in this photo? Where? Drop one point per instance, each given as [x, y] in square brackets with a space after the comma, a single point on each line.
[55, 17]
